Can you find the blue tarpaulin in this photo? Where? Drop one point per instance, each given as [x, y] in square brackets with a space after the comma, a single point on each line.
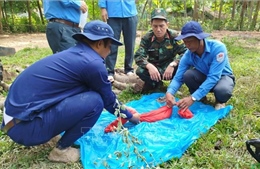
[159, 141]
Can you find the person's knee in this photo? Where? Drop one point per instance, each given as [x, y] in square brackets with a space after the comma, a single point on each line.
[96, 101]
[141, 73]
[187, 76]
[222, 94]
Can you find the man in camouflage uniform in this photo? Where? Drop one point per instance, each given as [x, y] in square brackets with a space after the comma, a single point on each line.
[158, 55]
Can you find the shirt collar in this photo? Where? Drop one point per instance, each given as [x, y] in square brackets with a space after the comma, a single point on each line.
[207, 48]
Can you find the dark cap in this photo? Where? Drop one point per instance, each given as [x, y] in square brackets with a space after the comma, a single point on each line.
[97, 30]
[192, 28]
[158, 13]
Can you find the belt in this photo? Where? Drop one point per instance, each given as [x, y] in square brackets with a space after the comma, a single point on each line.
[72, 24]
[10, 124]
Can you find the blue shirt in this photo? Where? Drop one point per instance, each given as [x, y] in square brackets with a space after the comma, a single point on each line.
[62, 9]
[119, 8]
[57, 77]
[213, 63]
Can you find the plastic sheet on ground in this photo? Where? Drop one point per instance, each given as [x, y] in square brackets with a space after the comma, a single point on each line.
[159, 141]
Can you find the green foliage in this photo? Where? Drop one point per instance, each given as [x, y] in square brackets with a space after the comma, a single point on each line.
[175, 8]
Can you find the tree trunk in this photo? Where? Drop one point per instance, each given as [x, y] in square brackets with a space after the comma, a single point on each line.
[40, 10]
[203, 11]
[142, 14]
[185, 8]
[233, 10]
[254, 20]
[29, 15]
[1, 18]
[244, 6]
[195, 10]
[93, 11]
[144, 24]
[250, 10]
[12, 12]
[220, 9]
[4, 13]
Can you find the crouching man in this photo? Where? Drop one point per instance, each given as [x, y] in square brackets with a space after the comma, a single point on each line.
[65, 92]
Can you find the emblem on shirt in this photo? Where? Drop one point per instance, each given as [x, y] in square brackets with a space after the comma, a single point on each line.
[220, 57]
[169, 47]
[179, 42]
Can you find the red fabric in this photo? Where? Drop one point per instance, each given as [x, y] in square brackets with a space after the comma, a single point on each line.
[112, 126]
[187, 114]
[163, 112]
[156, 115]
[152, 116]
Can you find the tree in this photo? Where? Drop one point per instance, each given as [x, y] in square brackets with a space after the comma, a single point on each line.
[254, 20]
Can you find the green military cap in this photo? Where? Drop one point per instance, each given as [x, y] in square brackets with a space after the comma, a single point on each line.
[158, 13]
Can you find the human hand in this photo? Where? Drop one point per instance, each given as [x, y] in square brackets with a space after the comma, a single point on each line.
[135, 119]
[185, 103]
[167, 75]
[136, 116]
[154, 73]
[170, 100]
[131, 110]
[83, 7]
[104, 14]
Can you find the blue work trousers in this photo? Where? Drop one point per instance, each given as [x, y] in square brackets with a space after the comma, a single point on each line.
[128, 27]
[59, 36]
[74, 116]
[222, 90]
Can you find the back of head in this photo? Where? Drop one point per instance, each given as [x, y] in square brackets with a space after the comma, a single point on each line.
[97, 30]
[159, 13]
[192, 28]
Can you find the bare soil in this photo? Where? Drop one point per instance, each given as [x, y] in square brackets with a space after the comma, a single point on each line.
[21, 41]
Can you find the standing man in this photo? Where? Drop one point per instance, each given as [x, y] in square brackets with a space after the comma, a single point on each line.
[121, 15]
[65, 92]
[158, 55]
[203, 68]
[63, 21]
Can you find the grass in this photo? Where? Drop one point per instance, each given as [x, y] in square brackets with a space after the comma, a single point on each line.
[231, 132]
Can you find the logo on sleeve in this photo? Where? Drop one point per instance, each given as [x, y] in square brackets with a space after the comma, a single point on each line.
[220, 57]
[179, 42]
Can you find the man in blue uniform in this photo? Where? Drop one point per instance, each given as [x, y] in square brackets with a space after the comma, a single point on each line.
[63, 21]
[64, 92]
[203, 68]
[121, 15]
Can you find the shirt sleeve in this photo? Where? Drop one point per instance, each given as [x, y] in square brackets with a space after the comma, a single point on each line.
[141, 55]
[74, 3]
[102, 4]
[177, 81]
[95, 76]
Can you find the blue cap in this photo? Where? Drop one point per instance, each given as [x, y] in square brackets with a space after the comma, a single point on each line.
[192, 28]
[97, 30]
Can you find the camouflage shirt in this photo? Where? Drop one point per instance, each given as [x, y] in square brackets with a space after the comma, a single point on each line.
[160, 54]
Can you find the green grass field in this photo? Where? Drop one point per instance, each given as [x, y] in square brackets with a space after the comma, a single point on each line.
[230, 133]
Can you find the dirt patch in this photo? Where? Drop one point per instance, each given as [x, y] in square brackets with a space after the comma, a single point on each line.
[21, 41]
